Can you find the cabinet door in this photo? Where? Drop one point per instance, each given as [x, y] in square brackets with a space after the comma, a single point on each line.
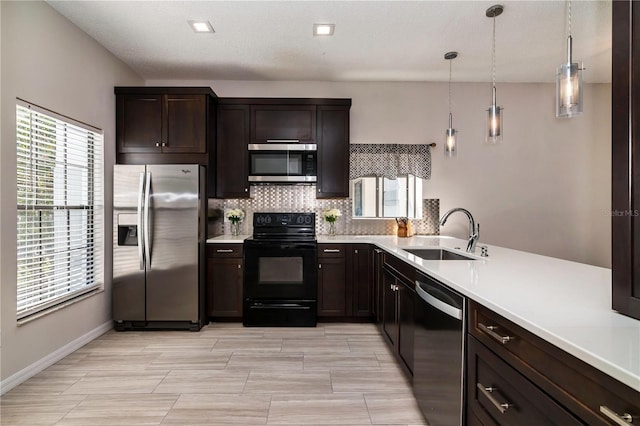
[283, 123]
[331, 287]
[333, 152]
[232, 154]
[378, 262]
[224, 289]
[186, 124]
[361, 283]
[139, 123]
[625, 139]
[389, 323]
[406, 321]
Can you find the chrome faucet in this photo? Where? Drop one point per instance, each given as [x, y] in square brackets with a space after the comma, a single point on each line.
[474, 230]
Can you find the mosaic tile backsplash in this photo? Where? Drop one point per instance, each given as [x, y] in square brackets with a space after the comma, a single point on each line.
[283, 198]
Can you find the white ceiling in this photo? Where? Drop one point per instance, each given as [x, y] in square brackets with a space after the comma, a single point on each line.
[373, 40]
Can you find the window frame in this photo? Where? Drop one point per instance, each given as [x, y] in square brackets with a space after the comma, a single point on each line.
[67, 264]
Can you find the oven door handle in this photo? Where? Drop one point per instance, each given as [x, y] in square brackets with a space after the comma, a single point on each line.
[279, 306]
[297, 246]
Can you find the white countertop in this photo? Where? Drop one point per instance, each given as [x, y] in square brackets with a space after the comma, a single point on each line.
[566, 303]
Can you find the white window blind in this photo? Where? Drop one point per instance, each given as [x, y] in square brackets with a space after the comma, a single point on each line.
[60, 214]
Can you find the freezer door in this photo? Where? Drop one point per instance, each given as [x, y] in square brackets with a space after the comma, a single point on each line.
[172, 255]
[128, 250]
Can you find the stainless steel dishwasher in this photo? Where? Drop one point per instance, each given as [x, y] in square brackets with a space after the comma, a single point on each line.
[438, 370]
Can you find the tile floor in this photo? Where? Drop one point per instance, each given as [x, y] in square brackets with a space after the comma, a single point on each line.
[225, 374]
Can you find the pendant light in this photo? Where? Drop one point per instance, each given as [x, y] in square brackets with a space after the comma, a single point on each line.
[450, 147]
[569, 83]
[494, 116]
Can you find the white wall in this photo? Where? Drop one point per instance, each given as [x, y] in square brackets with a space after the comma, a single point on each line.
[546, 189]
[48, 61]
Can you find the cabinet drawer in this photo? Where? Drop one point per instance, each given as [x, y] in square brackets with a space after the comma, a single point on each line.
[331, 250]
[498, 394]
[224, 250]
[584, 390]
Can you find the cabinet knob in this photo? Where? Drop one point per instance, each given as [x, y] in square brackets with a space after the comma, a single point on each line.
[157, 144]
[246, 190]
[319, 265]
[356, 251]
[239, 266]
[164, 144]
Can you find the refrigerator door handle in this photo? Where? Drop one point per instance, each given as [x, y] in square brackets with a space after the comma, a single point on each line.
[147, 220]
[140, 222]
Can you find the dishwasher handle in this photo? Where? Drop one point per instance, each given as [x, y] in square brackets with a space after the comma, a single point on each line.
[423, 292]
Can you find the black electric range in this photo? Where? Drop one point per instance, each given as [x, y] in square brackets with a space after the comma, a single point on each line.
[280, 276]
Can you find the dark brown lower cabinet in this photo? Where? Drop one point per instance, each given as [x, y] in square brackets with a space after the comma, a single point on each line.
[398, 310]
[498, 395]
[224, 281]
[332, 277]
[345, 281]
[378, 270]
[526, 380]
[360, 278]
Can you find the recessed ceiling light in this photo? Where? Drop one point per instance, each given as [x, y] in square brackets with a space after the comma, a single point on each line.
[323, 29]
[201, 26]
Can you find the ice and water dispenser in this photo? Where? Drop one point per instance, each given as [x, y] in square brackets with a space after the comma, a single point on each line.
[127, 229]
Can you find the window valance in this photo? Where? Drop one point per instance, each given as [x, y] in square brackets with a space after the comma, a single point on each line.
[389, 160]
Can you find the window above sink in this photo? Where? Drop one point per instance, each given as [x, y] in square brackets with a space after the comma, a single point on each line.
[379, 197]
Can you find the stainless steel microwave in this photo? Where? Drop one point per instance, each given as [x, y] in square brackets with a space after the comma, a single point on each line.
[282, 163]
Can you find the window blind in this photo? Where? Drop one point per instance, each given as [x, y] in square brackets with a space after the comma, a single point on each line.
[59, 208]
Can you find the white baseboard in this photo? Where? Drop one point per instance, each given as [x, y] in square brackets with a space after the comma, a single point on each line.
[26, 373]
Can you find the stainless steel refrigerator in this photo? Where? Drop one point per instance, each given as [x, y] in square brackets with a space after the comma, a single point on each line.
[159, 234]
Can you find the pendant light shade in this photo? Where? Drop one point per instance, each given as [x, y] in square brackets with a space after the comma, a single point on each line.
[494, 129]
[450, 142]
[569, 83]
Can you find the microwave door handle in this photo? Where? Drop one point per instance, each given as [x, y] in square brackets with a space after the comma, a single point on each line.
[147, 220]
[140, 224]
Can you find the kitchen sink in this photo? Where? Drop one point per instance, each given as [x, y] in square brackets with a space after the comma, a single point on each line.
[437, 254]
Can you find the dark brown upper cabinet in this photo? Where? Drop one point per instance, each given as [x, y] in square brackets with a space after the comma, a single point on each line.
[625, 139]
[164, 124]
[333, 151]
[324, 122]
[232, 154]
[283, 124]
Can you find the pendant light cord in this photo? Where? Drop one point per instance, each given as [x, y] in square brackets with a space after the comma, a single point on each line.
[450, 85]
[569, 18]
[493, 54]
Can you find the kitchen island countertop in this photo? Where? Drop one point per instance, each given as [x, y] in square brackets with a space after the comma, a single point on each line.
[565, 303]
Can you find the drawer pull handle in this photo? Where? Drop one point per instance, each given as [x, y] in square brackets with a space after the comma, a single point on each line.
[332, 250]
[623, 420]
[224, 251]
[489, 329]
[487, 391]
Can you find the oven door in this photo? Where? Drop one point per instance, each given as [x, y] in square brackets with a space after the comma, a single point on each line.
[280, 271]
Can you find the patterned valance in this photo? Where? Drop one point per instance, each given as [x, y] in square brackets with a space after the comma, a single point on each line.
[389, 160]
